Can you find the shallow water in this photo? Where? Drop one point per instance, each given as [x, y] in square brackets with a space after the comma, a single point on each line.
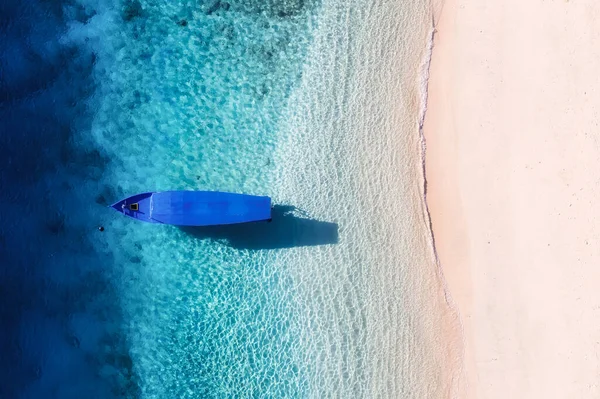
[313, 103]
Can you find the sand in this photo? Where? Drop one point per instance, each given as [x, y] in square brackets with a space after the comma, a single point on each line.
[512, 165]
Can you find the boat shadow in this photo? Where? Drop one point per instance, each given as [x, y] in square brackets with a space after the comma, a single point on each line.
[288, 228]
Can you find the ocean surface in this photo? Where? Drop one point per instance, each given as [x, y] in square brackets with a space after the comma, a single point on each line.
[316, 103]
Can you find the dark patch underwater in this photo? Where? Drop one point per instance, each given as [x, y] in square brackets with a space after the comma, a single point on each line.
[60, 335]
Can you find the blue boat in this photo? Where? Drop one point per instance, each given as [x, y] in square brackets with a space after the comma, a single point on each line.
[195, 208]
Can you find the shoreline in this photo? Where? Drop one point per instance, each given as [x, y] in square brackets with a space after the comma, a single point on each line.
[510, 171]
[455, 336]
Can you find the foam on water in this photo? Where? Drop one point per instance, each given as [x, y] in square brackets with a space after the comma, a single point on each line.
[350, 152]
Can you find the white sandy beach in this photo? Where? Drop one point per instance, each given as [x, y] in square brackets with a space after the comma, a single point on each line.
[513, 169]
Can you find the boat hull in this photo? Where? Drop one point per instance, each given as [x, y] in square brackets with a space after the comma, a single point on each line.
[195, 208]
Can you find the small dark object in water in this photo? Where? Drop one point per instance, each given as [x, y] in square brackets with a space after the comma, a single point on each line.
[100, 228]
[135, 259]
[182, 22]
[133, 9]
[214, 8]
[57, 225]
[100, 199]
[74, 341]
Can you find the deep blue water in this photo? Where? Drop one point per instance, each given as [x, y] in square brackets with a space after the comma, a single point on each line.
[57, 307]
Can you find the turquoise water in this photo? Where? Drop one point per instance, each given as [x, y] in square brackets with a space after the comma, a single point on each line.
[315, 103]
